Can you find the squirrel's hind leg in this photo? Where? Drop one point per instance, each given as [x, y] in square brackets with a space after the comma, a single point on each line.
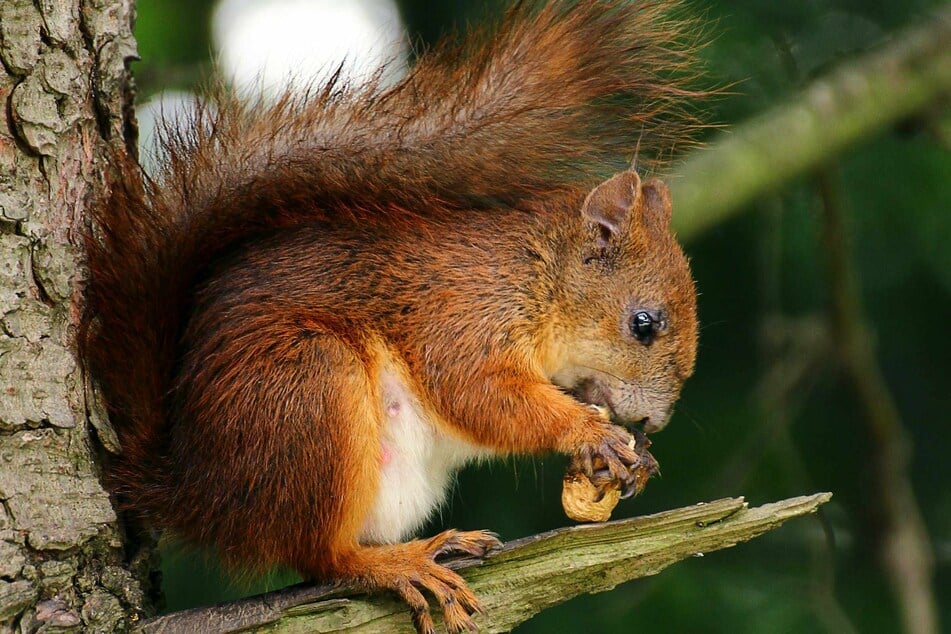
[284, 465]
[274, 453]
[407, 569]
[410, 568]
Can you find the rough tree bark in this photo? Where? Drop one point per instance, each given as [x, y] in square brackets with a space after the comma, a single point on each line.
[66, 98]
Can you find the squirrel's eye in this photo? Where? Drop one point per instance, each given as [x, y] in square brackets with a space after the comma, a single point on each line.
[644, 326]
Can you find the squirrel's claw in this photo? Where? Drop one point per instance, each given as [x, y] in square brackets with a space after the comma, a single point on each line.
[473, 543]
[613, 450]
[618, 457]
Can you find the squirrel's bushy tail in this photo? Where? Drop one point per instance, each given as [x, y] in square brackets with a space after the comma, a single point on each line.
[523, 109]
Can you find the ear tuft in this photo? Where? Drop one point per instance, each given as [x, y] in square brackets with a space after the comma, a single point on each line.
[610, 205]
[657, 203]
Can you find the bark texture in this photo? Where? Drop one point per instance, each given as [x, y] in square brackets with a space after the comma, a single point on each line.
[65, 95]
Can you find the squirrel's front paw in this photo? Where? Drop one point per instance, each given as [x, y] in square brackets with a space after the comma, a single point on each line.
[613, 455]
[609, 452]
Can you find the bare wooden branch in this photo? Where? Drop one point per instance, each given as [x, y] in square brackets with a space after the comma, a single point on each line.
[855, 101]
[526, 577]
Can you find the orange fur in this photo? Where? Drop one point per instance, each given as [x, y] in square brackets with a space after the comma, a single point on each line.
[246, 308]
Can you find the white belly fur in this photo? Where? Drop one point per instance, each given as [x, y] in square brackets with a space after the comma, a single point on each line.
[417, 469]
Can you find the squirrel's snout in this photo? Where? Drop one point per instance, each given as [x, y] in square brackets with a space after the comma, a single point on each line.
[657, 422]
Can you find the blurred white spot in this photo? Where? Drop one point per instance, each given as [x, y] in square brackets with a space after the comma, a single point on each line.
[170, 106]
[266, 45]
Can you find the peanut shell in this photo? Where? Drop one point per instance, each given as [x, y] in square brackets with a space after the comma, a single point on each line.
[583, 502]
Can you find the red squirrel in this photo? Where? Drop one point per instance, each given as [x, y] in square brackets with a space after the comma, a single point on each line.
[320, 308]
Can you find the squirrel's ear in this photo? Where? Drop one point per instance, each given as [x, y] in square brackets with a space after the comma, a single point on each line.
[657, 203]
[610, 205]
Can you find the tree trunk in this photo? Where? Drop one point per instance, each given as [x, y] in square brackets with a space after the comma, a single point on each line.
[66, 99]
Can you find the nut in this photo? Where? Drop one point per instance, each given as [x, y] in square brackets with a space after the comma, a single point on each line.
[587, 501]
[584, 502]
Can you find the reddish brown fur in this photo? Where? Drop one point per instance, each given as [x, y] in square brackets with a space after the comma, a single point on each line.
[241, 306]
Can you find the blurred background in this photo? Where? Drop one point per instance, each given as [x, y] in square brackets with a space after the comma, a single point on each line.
[796, 292]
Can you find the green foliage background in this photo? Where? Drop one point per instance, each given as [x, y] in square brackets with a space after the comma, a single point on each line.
[764, 296]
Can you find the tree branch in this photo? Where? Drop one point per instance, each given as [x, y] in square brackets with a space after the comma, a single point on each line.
[906, 550]
[856, 101]
[526, 577]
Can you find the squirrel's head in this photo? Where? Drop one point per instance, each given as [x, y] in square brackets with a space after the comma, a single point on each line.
[624, 331]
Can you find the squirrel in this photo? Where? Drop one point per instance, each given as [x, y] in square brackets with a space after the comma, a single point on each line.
[323, 306]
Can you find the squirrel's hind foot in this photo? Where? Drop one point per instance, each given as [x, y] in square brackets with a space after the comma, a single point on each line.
[410, 569]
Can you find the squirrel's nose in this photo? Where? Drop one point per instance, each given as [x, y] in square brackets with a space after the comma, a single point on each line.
[657, 423]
